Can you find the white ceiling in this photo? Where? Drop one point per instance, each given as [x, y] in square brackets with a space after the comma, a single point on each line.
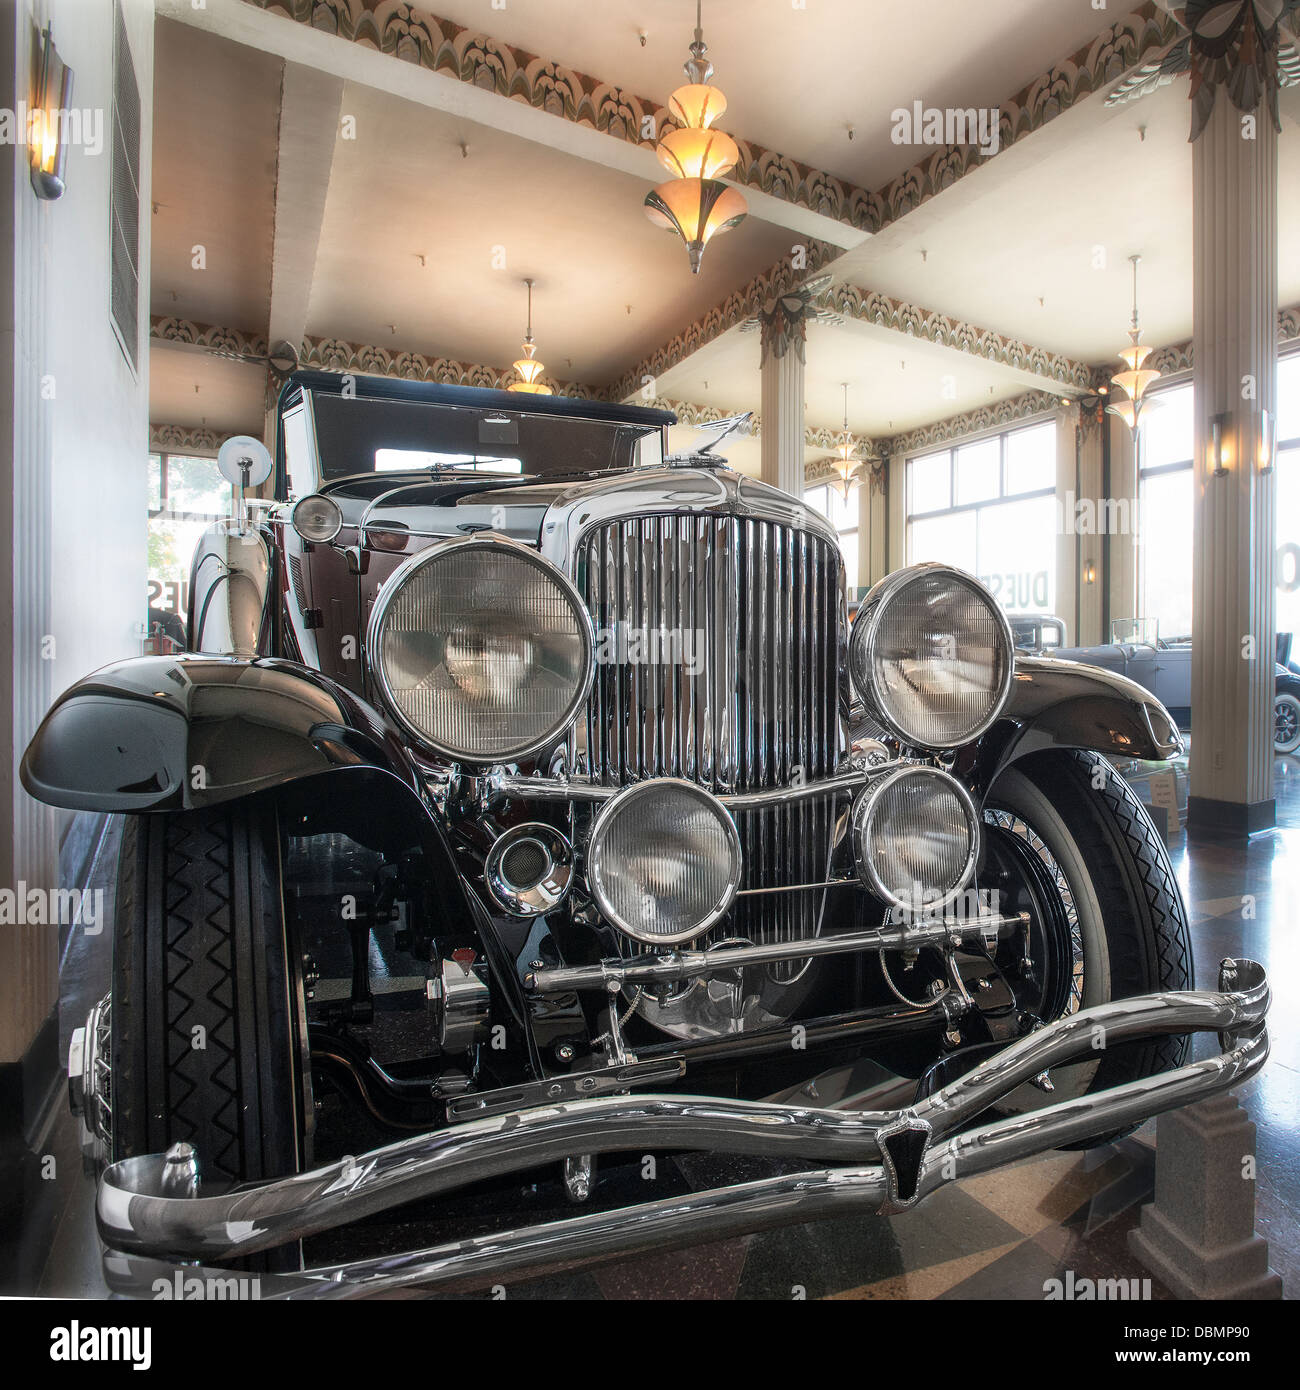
[403, 189]
[796, 77]
[198, 391]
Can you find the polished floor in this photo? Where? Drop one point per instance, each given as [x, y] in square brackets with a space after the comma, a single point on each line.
[1002, 1235]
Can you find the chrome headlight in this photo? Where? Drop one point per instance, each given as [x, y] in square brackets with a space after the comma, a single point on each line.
[664, 861]
[916, 838]
[482, 649]
[932, 656]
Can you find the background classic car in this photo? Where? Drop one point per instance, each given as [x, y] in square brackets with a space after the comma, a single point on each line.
[578, 736]
[1165, 669]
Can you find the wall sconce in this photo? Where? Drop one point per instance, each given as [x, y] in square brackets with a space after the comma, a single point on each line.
[1267, 442]
[53, 95]
[1218, 423]
[1090, 572]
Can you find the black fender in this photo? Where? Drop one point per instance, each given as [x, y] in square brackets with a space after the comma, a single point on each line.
[1065, 704]
[169, 733]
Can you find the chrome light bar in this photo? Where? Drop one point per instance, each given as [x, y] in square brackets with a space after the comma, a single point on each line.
[909, 1152]
[672, 966]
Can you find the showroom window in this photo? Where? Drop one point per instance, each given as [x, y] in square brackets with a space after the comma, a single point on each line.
[989, 507]
[1288, 498]
[1165, 512]
[843, 516]
[186, 495]
[1165, 489]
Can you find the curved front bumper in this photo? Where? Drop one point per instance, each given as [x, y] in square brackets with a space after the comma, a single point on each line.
[146, 1221]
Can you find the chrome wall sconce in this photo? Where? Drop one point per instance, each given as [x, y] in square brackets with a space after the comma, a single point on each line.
[51, 98]
[1218, 425]
[1090, 572]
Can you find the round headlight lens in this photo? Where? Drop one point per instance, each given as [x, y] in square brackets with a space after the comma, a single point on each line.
[482, 649]
[664, 861]
[317, 519]
[931, 654]
[916, 836]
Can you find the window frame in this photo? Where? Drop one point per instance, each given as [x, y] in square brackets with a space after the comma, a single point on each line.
[855, 530]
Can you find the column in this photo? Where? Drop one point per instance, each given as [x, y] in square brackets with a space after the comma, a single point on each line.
[1093, 547]
[784, 330]
[1234, 216]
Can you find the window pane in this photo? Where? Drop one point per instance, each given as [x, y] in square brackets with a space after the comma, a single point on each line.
[843, 511]
[1288, 543]
[1288, 398]
[979, 468]
[155, 482]
[815, 497]
[1165, 552]
[195, 485]
[849, 545]
[947, 538]
[1031, 459]
[1167, 424]
[929, 483]
[1017, 554]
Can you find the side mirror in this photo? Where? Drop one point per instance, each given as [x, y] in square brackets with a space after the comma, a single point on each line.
[243, 462]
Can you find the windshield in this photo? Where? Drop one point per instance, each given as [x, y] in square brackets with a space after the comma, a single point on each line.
[357, 435]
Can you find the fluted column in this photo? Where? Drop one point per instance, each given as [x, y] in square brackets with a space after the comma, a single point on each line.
[784, 325]
[1234, 196]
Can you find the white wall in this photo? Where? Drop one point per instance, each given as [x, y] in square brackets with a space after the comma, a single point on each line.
[100, 415]
[73, 441]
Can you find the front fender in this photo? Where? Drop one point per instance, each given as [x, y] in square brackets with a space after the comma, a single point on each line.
[165, 733]
[1065, 704]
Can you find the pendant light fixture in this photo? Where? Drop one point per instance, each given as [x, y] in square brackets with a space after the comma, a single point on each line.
[1135, 380]
[847, 469]
[695, 203]
[529, 368]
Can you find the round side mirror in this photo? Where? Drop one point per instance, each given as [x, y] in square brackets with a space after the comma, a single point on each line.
[244, 461]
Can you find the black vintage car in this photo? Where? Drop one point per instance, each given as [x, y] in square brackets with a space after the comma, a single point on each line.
[572, 741]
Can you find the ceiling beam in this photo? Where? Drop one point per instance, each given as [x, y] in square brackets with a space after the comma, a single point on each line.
[310, 106]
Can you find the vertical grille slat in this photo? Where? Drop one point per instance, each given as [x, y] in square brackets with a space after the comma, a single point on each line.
[759, 605]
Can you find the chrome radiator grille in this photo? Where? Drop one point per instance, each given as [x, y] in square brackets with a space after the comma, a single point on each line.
[745, 619]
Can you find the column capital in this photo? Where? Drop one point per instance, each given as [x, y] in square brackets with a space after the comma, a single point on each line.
[783, 322]
[1233, 44]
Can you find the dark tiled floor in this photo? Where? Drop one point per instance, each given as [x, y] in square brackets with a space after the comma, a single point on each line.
[1001, 1235]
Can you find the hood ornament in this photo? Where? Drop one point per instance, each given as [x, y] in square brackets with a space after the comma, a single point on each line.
[702, 455]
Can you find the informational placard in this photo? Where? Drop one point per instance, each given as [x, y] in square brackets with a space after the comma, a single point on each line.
[1164, 793]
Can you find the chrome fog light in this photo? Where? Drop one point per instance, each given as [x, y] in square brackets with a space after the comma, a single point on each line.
[664, 861]
[916, 838]
[529, 869]
[317, 519]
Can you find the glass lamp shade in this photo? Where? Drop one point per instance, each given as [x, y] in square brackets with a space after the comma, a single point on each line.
[529, 369]
[697, 105]
[1126, 411]
[1134, 356]
[697, 210]
[530, 388]
[1134, 383]
[690, 153]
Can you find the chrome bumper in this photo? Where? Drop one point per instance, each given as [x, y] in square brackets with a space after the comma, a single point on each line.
[147, 1216]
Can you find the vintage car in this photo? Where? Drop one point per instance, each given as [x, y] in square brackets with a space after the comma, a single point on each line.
[501, 713]
[1164, 667]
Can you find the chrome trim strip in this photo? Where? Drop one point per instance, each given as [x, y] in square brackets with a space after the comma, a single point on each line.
[690, 965]
[911, 1153]
[512, 785]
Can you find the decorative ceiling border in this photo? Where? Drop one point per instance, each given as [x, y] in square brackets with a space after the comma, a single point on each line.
[222, 342]
[868, 306]
[441, 46]
[984, 417]
[183, 439]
